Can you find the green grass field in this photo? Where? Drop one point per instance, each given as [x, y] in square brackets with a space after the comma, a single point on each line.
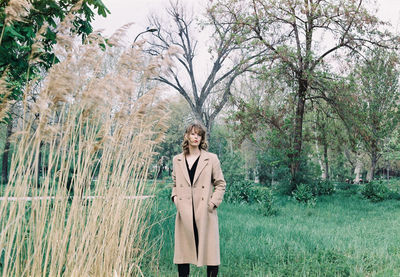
[343, 235]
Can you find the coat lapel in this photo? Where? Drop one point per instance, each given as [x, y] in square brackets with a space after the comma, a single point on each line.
[182, 165]
[203, 160]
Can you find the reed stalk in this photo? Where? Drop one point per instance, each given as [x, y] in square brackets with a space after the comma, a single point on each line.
[96, 137]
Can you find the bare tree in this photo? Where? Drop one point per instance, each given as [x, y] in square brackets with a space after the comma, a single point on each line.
[229, 60]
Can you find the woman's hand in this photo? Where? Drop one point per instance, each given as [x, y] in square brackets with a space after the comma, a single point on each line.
[211, 207]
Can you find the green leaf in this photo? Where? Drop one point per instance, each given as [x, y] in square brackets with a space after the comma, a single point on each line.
[13, 32]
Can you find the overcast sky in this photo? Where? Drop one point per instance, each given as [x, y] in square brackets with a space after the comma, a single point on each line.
[125, 11]
[137, 11]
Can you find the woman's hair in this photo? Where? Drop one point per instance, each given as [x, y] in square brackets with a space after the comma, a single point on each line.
[201, 131]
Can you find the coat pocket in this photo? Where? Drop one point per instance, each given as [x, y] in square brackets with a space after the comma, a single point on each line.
[211, 207]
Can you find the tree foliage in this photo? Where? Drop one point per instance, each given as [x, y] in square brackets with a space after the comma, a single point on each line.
[302, 36]
[19, 36]
[374, 115]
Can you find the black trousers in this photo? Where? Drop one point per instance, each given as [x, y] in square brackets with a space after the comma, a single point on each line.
[184, 270]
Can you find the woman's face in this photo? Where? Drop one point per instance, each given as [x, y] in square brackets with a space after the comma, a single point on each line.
[194, 138]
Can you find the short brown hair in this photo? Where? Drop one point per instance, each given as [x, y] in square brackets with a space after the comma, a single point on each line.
[201, 131]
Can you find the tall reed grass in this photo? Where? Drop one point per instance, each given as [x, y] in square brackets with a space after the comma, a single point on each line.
[90, 131]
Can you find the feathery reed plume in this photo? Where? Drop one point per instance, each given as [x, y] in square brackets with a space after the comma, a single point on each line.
[5, 93]
[84, 153]
[65, 40]
[17, 10]
[115, 39]
[37, 46]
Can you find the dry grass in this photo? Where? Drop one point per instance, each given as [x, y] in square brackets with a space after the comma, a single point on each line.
[17, 10]
[92, 130]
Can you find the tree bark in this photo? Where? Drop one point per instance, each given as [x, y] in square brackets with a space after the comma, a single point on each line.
[357, 171]
[326, 161]
[320, 161]
[298, 129]
[371, 171]
[388, 169]
[323, 161]
[4, 167]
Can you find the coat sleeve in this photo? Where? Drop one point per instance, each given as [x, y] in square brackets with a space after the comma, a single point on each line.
[218, 182]
[173, 180]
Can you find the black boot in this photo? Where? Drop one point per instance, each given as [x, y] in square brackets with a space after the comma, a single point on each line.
[183, 270]
[212, 271]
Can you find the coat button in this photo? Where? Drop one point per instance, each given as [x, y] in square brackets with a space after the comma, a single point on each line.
[180, 198]
[181, 185]
[202, 198]
[202, 187]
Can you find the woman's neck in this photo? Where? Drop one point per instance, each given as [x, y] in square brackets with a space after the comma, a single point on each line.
[194, 151]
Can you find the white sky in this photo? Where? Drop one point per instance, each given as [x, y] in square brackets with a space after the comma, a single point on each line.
[125, 11]
[137, 11]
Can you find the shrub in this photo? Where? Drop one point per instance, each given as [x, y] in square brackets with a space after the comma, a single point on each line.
[266, 201]
[307, 193]
[376, 191]
[246, 191]
[348, 189]
[238, 192]
[304, 194]
[346, 186]
[322, 187]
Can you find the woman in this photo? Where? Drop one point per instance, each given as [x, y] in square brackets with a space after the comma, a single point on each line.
[198, 190]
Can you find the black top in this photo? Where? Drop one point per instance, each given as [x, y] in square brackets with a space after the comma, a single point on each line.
[192, 171]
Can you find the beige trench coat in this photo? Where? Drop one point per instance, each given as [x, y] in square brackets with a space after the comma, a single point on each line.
[208, 188]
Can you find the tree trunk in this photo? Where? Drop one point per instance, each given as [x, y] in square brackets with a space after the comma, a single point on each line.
[298, 129]
[326, 162]
[388, 170]
[371, 171]
[349, 159]
[323, 162]
[320, 161]
[357, 171]
[160, 172]
[4, 167]
[203, 120]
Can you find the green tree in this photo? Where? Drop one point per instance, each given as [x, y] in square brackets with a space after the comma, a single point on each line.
[171, 145]
[375, 111]
[301, 35]
[231, 157]
[18, 36]
[20, 59]
[262, 116]
[328, 135]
